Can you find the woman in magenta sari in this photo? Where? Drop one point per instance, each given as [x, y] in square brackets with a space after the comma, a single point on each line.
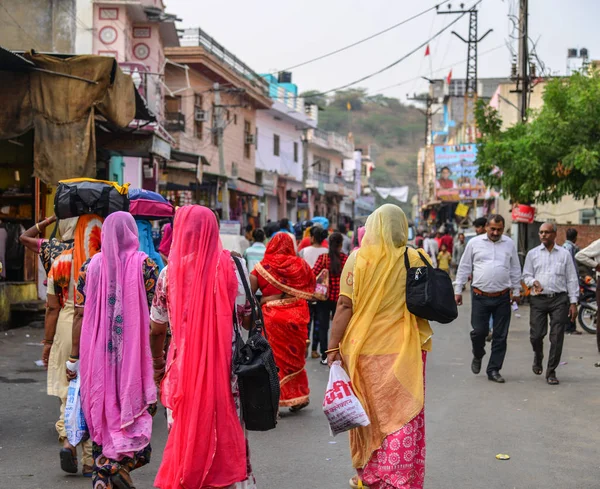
[200, 295]
[111, 335]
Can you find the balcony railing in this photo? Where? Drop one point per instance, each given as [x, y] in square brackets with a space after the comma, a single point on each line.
[197, 37]
[333, 140]
[174, 122]
[321, 177]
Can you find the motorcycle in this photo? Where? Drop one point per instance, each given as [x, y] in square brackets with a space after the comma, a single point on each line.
[588, 307]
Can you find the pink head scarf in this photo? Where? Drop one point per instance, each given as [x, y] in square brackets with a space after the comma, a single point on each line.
[167, 240]
[117, 383]
[206, 445]
[360, 234]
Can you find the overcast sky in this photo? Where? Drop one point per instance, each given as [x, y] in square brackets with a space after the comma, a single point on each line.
[273, 35]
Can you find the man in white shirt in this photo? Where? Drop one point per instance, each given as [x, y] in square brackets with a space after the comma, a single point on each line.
[550, 272]
[431, 248]
[493, 262]
[590, 257]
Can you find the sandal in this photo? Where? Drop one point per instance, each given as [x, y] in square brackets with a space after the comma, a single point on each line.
[295, 409]
[68, 461]
[87, 471]
[356, 483]
[537, 370]
[552, 380]
[122, 480]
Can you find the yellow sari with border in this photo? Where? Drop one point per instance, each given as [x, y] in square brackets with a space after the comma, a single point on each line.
[383, 343]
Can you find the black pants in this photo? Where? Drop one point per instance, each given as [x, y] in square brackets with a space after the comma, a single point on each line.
[499, 309]
[312, 307]
[324, 311]
[557, 308]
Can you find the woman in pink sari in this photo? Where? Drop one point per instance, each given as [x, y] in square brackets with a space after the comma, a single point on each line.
[199, 294]
[110, 334]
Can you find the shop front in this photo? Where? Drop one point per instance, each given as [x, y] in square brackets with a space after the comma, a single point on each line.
[244, 202]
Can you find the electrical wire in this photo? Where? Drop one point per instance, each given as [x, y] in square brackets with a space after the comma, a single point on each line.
[398, 61]
[35, 41]
[372, 36]
[436, 71]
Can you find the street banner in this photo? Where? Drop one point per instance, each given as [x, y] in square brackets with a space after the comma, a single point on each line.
[456, 173]
[461, 210]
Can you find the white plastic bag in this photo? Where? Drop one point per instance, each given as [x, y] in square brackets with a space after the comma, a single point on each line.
[341, 406]
[75, 424]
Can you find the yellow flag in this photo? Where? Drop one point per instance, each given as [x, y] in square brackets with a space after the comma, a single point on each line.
[348, 106]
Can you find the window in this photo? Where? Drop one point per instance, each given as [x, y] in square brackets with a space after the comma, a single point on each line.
[234, 170]
[276, 144]
[295, 152]
[256, 138]
[198, 125]
[215, 127]
[588, 216]
[247, 139]
[235, 119]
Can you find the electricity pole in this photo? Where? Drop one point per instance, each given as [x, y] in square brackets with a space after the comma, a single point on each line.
[524, 56]
[218, 126]
[471, 78]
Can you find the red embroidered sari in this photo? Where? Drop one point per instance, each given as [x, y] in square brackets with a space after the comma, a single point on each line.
[286, 320]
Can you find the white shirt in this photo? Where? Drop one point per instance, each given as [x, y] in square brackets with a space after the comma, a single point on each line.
[554, 270]
[590, 256]
[431, 248]
[494, 265]
[311, 254]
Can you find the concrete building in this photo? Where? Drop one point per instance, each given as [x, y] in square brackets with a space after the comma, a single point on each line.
[280, 132]
[190, 76]
[325, 183]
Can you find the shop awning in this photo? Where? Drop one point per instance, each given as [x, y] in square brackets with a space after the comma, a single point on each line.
[245, 187]
[186, 157]
[60, 97]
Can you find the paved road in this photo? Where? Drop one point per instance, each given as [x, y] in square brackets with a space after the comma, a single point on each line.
[551, 433]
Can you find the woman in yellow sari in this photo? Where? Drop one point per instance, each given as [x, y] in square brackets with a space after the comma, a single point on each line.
[383, 348]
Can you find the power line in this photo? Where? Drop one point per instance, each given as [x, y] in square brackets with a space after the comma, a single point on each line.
[35, 41]
[362, 40]
[398, 61]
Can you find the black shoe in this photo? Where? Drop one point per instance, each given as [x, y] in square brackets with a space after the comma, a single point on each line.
[495, 376]
[476, 365]
[537, 365]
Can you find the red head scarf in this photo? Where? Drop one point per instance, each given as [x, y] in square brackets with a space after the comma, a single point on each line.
[286, 271]
[206, 445]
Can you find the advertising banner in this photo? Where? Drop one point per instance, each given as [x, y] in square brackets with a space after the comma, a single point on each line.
[456, 170]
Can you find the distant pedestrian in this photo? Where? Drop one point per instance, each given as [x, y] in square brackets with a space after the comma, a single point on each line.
[444, 259]
[458, 251]
[347, 244]
[286, 282]
[479, 224]
[419, 240]
[590, 257]
[448, 241]
[571, 246]
[493, 262]
[318, 235]
[431, 248]
[256, 252]
[360, 234]
[550, 271]
[334, 262]
[165, 244]
[284, 227]
[438, 239]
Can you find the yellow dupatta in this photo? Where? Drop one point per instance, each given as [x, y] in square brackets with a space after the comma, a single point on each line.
[382, 345]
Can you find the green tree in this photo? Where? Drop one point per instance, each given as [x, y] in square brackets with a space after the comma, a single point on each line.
[314, 97]
[554, 155]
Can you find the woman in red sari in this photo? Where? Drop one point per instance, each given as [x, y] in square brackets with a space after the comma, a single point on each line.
[286, 282]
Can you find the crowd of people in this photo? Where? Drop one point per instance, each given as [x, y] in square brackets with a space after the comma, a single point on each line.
[139, 325]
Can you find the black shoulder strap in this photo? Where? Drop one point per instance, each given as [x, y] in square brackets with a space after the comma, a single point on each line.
[407, 261]
[257, 319]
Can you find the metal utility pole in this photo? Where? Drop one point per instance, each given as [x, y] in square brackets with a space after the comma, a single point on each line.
[471, 78]
[524, 57]
[219, 128]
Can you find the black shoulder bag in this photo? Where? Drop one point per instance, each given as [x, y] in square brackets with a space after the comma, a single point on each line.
[429, 292]
[254, 365]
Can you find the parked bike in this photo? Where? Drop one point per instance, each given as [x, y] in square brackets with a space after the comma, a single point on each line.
[588, 307]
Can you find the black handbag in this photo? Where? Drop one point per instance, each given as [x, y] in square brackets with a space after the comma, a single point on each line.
[254, 365]
[429, 292]
[86, 196]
